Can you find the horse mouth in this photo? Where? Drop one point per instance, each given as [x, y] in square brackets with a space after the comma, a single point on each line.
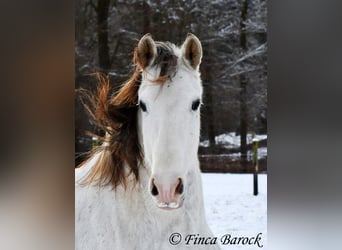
[171, 205]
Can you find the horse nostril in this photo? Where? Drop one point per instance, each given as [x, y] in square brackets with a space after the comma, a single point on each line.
[154, 190]
[180, 187]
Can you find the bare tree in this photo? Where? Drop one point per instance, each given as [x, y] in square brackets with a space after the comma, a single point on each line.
[243, 86]
[234, 65]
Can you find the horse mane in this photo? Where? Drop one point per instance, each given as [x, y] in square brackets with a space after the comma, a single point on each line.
[117, 116]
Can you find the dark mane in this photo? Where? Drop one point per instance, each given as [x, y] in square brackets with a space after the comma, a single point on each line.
[166, 59]
[117, 116]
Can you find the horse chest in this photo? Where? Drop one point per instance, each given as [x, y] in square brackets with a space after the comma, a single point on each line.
[104, 220]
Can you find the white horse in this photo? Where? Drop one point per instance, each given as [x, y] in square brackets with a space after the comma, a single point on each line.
[142, 188]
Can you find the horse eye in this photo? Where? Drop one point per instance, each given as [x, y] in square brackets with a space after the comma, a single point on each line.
[142, 105]
[195, 104]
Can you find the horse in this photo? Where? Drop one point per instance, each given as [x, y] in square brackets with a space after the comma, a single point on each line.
[142, 189]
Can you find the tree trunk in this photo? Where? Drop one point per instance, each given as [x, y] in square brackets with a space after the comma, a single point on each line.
[243, 122]
[146, 19]
[243, 92]
[102, 34]
[208, 91]
[210, 116]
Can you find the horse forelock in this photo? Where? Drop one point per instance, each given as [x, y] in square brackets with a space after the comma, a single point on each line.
[165, 60]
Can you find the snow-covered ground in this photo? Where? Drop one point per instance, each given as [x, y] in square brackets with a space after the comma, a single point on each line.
[231, 207]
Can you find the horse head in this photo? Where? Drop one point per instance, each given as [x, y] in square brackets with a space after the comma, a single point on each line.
[169, 100]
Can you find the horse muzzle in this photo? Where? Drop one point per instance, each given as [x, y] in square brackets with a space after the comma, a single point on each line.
[168, 195]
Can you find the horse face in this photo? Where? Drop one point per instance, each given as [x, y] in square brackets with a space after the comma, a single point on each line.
[169, 122]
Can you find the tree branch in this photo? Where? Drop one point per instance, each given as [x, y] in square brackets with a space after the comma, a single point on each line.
[91, 3]
[259, 50]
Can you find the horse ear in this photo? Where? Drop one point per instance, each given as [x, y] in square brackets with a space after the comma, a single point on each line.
[192, 50]
[146, 51]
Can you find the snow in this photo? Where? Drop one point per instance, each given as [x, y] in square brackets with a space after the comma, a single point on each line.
[204, 143]
[262, 152]
[231, 140]
[231, 207]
